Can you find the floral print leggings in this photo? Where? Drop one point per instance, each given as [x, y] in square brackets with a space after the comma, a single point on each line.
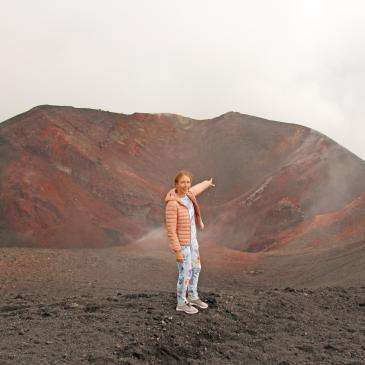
[189, 271]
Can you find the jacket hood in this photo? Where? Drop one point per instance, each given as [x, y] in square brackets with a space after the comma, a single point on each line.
[171, 195]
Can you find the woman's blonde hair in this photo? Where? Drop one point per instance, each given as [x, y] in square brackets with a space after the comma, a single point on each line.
[183, 173]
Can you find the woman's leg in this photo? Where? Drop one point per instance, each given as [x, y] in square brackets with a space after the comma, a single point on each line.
[184, 269]
[196, 267]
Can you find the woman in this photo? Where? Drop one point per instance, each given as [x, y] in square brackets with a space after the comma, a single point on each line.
[182, 215]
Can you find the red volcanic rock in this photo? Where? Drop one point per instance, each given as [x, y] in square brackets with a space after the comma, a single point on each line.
[77, 177]
[313, 196]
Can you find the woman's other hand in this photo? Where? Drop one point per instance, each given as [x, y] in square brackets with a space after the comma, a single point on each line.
[179, 256]
[211, 182]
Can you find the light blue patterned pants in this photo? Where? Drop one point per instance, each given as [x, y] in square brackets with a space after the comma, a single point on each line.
[189, 271]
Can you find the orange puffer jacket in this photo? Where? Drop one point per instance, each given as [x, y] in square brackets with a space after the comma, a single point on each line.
[177, 219]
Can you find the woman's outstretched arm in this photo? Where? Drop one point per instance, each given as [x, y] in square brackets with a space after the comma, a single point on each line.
[200, 187]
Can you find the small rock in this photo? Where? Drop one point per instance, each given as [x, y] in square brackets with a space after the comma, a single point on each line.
[72, 305]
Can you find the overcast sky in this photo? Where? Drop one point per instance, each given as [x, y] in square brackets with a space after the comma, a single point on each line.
[293, 61]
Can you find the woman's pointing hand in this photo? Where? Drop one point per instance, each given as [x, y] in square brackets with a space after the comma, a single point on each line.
[211, 182]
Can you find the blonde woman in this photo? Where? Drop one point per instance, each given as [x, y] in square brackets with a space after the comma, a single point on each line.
[182, 216]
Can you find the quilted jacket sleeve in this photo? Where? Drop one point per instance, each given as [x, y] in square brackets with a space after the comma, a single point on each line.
[200, 187]
[171, 225]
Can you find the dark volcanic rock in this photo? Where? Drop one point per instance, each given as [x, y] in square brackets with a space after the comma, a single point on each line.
[255, 326]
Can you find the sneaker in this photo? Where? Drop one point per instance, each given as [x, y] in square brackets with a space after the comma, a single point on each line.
[198, 302]
[187, 308]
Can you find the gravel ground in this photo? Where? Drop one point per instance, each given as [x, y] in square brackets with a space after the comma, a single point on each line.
[117, 306]
[258, 326]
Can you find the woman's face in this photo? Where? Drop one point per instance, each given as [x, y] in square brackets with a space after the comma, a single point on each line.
[184, 184]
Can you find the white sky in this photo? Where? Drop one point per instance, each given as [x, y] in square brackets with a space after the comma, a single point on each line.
[293, 61]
